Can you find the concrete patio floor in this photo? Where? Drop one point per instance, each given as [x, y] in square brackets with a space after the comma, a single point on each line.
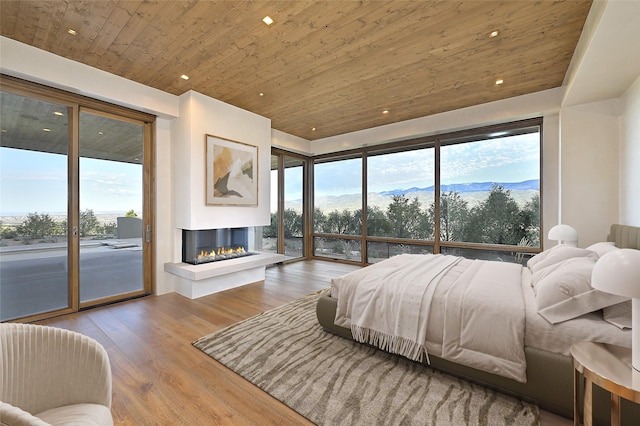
[33, 278]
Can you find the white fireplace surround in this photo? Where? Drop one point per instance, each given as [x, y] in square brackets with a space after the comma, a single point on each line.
[200, 280]
[199, 116]
[195, 281]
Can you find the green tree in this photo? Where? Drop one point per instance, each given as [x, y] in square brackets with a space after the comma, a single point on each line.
[36, 226]
[131, 213]
[341, 223]
[319, 220]
[495, 220]
[406, 218]
[454, 213]
[60, 227]
[529, 221]
[292, 222]
[109, 229]
[271, 231]
[377, 223]
[7, 232]
[88, 223]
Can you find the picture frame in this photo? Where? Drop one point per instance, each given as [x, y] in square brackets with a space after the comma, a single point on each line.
[232, 172]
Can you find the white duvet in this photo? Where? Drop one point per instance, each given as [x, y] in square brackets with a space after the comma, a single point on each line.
[470, 312]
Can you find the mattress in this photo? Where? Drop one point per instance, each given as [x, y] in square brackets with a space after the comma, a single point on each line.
[539, 333]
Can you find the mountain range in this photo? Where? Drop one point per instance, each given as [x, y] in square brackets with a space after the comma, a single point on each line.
[473, 193]
[533, 184]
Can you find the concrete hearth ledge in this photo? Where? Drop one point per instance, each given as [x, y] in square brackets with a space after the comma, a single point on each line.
[216, 269]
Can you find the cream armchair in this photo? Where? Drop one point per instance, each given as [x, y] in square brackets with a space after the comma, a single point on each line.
[51, 376]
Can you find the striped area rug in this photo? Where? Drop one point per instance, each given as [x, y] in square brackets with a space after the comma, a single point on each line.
[334, 381]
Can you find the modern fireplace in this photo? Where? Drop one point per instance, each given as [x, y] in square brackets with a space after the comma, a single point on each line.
[213, 245]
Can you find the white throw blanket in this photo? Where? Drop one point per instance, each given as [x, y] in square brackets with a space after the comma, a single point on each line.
[388, 305]
[393, 318]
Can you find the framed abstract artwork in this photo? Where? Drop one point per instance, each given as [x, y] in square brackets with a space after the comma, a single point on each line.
[232, 172]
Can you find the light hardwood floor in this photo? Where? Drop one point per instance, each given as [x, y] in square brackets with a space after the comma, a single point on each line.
[159, 378]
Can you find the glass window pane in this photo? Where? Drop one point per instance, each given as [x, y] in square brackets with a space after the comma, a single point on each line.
[377, 251]
[400, 188]
[111, 197]
[33, 204]
[293, 219]
[337, 248]
[490, 190]
[502, 256]
[267, 236]
[338, 197]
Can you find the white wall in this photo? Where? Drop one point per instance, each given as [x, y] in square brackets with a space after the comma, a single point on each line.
[605, 62]
[290, 142]
[164, 234]
[550, 175]
[590, 135]
[601, 123]
[630, 156]
[201, 115]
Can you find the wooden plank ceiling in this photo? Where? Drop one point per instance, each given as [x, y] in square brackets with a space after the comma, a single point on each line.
[329, 65]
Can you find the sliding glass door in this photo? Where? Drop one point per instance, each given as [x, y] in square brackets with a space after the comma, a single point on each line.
[292, 215]
[285, 233]
[111, 200]
[34, 265]
[75, 202]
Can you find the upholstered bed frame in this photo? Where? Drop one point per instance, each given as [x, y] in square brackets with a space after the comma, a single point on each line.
[549, 375]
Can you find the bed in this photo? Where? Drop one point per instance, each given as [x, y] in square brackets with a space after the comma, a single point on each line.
[536, 365]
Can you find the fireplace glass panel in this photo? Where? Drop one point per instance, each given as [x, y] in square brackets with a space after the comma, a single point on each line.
[212, 245]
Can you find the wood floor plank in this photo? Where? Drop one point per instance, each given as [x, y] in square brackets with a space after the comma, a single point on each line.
[160, 378]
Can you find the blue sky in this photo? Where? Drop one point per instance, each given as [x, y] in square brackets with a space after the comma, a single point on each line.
[37, 182]
[508, 159]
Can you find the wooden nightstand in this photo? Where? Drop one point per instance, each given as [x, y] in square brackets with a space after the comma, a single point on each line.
[608, 366]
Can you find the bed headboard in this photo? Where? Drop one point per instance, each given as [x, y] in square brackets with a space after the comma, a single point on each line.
[625, 236]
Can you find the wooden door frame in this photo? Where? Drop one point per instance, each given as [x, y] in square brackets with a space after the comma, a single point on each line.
[74, 103]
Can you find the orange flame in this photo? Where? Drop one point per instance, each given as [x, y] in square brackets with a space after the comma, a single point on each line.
[221, 252]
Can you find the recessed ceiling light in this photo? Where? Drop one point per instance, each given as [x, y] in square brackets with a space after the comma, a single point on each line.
[261, 94]
[385, 111]
[184, 77]
[46, 130]
[72, 31]
[58, 113]
[101, 133]
[499, 82]
[493, 34]
[267, 20]
[313, 129]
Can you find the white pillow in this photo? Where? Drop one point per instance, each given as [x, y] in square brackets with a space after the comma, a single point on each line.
[563, 291]
[557, 254]
[602, 248]
[618, 315]
[577, 272]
